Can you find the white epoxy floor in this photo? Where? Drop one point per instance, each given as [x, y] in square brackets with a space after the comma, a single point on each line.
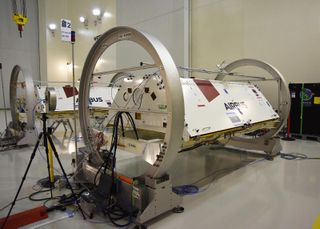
[266, 194]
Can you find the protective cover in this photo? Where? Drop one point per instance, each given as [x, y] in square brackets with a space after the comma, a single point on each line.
[212, 106]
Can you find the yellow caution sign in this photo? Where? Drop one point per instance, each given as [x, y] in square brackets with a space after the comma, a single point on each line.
[316, 224]
[316, 100]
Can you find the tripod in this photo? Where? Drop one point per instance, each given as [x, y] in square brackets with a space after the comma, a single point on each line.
[46, 137]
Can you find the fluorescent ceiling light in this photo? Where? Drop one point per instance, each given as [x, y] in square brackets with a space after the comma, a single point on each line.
[82, 19]
[52, 26]
[96, 12]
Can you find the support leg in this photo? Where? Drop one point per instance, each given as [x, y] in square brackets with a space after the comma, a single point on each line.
[69, 124]
[45, 143]
[64, 125]
[64, 173]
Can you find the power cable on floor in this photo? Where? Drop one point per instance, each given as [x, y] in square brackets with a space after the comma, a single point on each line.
[296, 156]
[193, 188]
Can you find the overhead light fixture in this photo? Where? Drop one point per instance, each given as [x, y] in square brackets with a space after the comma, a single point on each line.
[52, 27]
[97, 12]
[84, 21]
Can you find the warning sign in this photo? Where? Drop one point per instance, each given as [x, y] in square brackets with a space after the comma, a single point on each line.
[316, 100]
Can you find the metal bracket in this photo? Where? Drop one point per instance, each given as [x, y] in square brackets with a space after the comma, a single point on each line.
[161, 199]
[270, 146]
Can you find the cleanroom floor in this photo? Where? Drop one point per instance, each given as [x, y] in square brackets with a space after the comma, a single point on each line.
[260, 194]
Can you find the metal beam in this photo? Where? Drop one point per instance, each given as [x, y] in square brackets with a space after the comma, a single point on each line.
[134, 68]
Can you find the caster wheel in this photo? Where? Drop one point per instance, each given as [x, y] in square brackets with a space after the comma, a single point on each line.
[178, 210]
[268, 157]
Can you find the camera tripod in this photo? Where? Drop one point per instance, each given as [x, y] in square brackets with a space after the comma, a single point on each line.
[46, 138]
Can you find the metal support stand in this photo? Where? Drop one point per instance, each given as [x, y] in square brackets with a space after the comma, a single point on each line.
[64, 122]
[74, 103]
[46, 138]
[270, 146]
[287, 136]
[3, 97]
[161, 199]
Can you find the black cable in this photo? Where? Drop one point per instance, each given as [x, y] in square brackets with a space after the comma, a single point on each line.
[113, 151]
[113, 221]
[296, 156]
[63, 201]
[132, 124]
[45, 182]
[96, 175]
[38, 192]
[24, 8]
[122, 128]
[14, 7]
[68, 200]
[121, 216]
[109, 163]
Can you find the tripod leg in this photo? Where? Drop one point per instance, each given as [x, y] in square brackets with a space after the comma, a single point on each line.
[64, 173]
[45, 142]
[64, 125]
[23, 179]
[69, 124]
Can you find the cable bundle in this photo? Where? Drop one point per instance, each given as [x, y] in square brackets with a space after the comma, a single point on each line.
[113, 212]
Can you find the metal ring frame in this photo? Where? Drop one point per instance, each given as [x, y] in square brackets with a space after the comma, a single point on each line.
[30, 96]
[51, 99]
[284, 94]
[117, 77]
[170, 76]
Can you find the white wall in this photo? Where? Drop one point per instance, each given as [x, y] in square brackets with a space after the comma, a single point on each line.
[285, 33]
[15, 50]
[55, 53]
[163, 19]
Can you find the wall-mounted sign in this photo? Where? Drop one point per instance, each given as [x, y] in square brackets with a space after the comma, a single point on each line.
[65, 30]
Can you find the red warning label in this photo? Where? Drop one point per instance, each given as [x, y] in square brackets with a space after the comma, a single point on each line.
[68, 90]
[207, 89]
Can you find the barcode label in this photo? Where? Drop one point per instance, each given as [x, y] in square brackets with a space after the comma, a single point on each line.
[234, 119]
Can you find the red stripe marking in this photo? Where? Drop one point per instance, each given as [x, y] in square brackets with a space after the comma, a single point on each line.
[68, 90]
[207, 89]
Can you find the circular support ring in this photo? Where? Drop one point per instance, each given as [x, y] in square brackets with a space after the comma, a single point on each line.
[284, 100]
[51, 99]
[29, 94]
[170, 76]
[117, 77]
